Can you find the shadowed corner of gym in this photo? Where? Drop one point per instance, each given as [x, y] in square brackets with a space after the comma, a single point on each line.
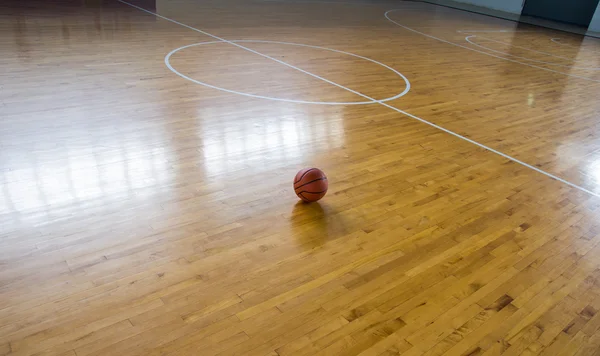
[314, 224]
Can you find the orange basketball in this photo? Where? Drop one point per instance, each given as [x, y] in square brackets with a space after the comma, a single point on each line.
[310, 184]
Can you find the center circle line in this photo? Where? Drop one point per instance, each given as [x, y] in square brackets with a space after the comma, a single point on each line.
[404, 92]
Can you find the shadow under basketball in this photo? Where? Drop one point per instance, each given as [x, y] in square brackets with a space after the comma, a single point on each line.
[314, 224]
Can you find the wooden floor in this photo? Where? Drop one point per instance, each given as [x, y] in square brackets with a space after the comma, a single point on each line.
[143, 213]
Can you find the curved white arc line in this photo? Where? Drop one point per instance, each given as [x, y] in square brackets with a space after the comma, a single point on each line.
[555, 40]
[487, 31]
[527, 49]
[573, 185]
[406, 81]
[468, 39]
[260, 96]
[487, 54]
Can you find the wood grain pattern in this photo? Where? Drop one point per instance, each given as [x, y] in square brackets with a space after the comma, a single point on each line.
[144, 214]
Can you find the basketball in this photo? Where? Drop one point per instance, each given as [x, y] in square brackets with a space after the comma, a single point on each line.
[310, 184]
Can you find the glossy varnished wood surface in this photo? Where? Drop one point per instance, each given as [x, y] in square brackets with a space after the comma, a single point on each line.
[143, 214]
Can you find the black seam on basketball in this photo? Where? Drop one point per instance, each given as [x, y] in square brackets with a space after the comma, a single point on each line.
[302, 197]
[304, 191]
[312, 181]
[302, 176]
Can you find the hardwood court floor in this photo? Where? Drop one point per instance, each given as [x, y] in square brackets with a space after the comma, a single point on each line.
[142, 213]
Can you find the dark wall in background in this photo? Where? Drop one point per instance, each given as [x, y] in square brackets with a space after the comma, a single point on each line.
[578, 12]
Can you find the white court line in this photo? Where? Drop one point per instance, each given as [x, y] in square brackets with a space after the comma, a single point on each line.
[469, 31]
[468, 39]
[406, 82]
[556, 40]
[527, 48]
[550, 175]
[486, 53]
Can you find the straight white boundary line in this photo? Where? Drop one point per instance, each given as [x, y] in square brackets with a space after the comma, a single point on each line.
[550, 175]
[568, 66]
[404, 92]
[482, 52]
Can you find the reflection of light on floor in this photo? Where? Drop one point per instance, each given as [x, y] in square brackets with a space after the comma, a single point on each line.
[82, 178]
[258, 143]
[531, 99]
[593, 171]
[128, 167]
